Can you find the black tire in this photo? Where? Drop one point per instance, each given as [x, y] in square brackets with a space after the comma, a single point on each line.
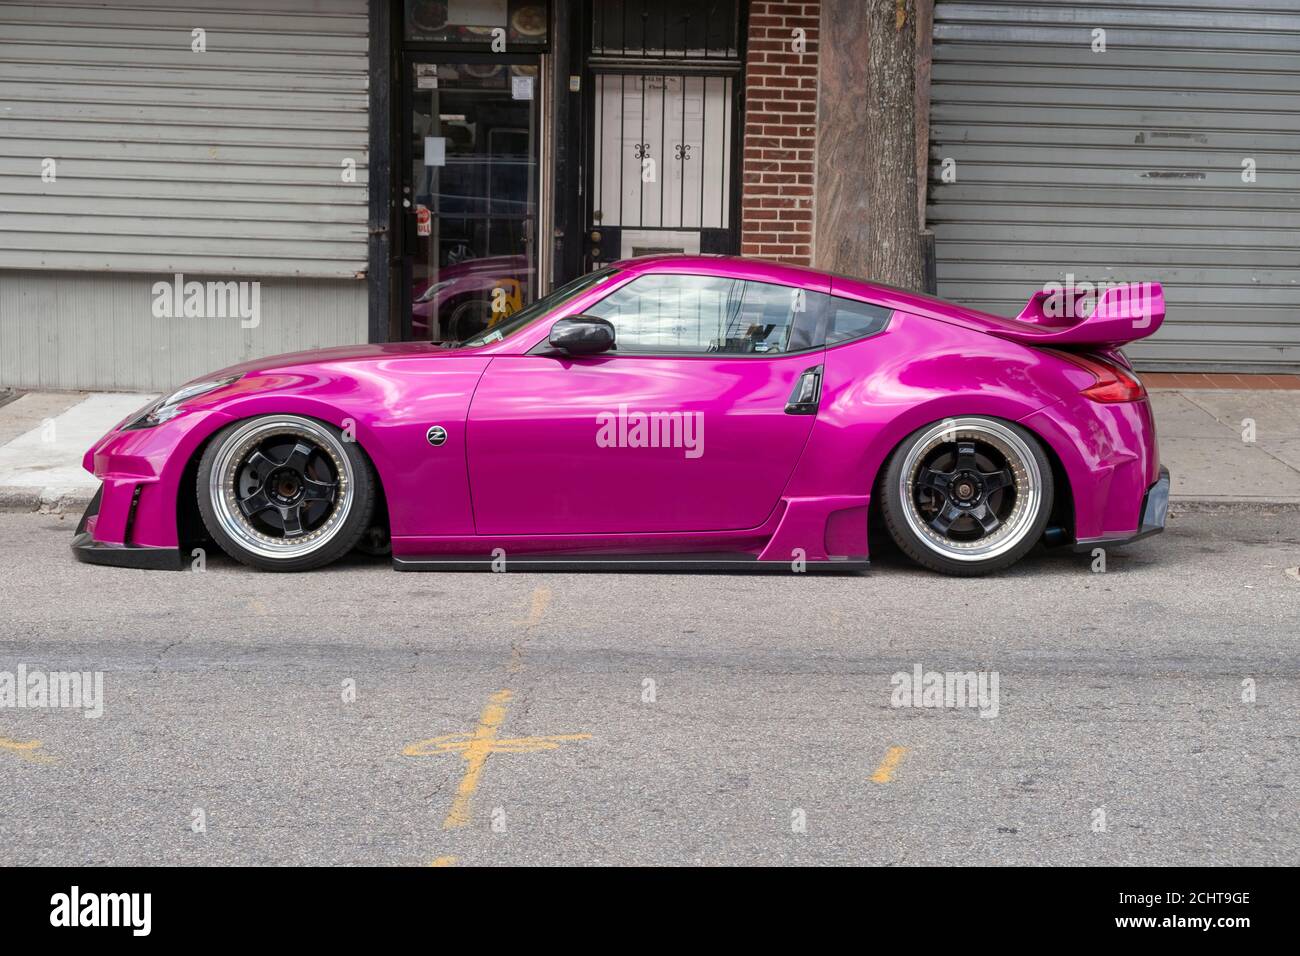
[328, 487]
[967, 496]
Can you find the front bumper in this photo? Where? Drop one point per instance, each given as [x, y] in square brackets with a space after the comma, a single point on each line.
[1155, 509]
[87, 549]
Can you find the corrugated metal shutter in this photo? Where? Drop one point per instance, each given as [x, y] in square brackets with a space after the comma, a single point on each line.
[168, 160]
[1126, 164]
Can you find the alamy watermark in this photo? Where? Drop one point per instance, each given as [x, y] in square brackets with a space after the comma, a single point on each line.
[81, 690]
[1080, 299]
[179, 299]
[946, 689]
[624, 429]
[133, 911]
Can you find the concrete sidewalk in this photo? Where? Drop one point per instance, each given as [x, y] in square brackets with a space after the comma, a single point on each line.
[1205, 438]
[43, 436]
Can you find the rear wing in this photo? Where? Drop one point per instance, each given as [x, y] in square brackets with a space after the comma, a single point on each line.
[1066, 317]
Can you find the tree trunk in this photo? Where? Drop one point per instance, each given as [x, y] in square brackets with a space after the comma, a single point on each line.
[866, 164]
[895, 249]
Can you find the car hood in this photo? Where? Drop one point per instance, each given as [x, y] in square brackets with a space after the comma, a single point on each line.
[336, 355]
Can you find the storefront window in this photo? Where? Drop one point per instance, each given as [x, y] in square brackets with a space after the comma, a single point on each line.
[476, 22]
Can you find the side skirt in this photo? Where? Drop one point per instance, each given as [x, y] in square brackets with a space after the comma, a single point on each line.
[614, 562]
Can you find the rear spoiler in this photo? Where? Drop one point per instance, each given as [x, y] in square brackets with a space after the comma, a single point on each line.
[1060, 317]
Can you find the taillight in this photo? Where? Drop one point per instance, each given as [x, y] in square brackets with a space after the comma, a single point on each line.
[1114, 383]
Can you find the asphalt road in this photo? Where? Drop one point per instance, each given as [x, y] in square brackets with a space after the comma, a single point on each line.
[1118, 692]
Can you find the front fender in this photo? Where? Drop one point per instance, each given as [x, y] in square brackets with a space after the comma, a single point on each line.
[386, 405]
[141, 472]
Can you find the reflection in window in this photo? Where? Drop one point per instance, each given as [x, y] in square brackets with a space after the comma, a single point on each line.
[702, 314]
[472, 22]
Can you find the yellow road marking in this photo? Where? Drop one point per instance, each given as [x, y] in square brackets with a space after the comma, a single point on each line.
[26, 750]
[475, 747]
[541, 599]
[444, 861]
[885, 772]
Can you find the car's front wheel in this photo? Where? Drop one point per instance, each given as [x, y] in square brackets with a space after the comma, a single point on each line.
[967, 496]
[285, 492]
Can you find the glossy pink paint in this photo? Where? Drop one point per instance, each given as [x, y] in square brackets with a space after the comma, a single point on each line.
[522, 469]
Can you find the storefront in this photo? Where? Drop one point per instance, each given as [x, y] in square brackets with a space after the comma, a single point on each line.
[385, 170]
[539, 142]
[372, 170]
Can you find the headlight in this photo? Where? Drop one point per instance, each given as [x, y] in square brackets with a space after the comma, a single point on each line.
[170, 405]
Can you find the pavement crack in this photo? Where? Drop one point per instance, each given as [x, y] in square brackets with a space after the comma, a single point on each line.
[166, 648]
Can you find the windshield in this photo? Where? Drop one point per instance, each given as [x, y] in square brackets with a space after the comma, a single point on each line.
[543, 306]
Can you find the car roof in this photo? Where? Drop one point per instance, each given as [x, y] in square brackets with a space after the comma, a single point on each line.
[761, 270]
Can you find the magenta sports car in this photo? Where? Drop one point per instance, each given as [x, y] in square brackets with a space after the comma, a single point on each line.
[669, 411]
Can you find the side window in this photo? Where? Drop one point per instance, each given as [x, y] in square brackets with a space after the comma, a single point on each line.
[696, 315]
[776, 318]
[854, 320]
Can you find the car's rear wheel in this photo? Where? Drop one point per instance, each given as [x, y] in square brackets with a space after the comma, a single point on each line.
[967, 496]
[285, 492]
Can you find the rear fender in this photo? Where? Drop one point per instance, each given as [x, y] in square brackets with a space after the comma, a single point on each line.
[878, 390]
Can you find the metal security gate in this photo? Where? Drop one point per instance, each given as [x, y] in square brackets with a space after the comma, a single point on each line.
[662, 109]
[138, 141]
[1172, 153]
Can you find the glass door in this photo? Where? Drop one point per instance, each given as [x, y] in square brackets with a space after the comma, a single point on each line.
[469, 192]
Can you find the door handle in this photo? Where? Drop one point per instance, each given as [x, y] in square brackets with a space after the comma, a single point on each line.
[807, 393]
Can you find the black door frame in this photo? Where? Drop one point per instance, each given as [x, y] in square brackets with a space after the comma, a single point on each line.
[381, 218]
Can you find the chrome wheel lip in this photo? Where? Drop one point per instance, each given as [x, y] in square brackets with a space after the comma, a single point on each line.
[229, 460]
[1028, 486]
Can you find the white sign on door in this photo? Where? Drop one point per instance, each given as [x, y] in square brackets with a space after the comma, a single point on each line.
[435, 151]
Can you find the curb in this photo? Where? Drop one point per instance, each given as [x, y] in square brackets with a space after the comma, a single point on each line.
[1226, 505]
[17, 499]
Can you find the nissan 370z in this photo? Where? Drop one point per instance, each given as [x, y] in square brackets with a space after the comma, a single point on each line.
[683, 410]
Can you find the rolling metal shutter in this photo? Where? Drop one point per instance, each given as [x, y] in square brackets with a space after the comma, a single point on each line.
[224, 162]
[1126, 164]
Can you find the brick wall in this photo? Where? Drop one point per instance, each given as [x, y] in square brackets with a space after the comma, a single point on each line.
[776, 219]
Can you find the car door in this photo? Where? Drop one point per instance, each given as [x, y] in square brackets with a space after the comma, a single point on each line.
[688, 425]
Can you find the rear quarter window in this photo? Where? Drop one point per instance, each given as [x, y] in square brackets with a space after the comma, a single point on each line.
[849, 320]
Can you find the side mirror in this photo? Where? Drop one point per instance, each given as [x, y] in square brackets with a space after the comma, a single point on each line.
[582, 335]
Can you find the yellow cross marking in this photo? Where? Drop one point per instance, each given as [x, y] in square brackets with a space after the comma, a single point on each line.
[885, 772]
[475, 747]
[26, 750]
[444, 861]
